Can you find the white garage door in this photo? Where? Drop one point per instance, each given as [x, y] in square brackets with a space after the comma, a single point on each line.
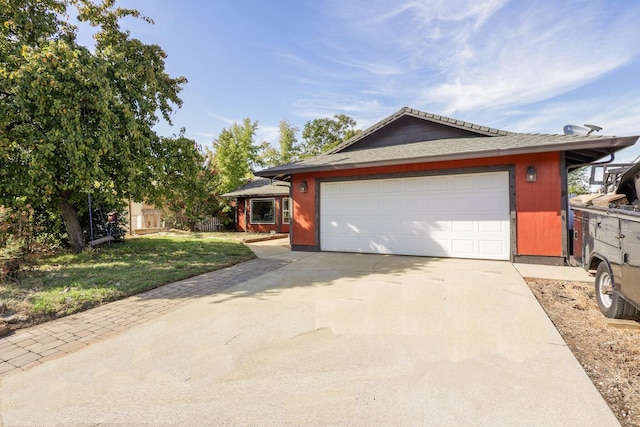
[460, 216]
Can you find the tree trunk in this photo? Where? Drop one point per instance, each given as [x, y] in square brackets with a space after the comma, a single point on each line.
[71, 223]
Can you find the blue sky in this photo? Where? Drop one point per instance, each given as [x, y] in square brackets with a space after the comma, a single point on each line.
[524, 66]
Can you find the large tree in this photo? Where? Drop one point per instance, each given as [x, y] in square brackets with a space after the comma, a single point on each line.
[235, 155]
[289, 150]
[578, 181]
[75, 120]
[186, 184]
[321, 135]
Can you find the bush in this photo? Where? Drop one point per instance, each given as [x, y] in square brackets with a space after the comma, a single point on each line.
[24, 231]
[15, 240]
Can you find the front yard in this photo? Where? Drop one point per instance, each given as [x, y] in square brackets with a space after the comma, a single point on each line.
[61, 284]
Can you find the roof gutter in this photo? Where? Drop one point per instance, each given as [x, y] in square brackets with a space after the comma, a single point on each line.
[612, 157]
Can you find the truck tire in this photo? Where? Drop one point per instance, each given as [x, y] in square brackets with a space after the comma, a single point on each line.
[611, 304]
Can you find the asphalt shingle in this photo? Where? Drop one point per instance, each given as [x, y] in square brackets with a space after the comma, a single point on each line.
[452, 149]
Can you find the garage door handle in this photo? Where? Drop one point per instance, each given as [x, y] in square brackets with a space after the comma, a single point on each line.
[619, 236]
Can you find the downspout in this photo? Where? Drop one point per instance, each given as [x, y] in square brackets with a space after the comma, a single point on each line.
[291, 210]
[567, 230]
[245, 216]
[278, 213]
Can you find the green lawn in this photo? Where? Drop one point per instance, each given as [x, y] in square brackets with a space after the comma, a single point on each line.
[66, 283]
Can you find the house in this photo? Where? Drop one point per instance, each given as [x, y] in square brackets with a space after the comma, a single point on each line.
[421, 184]
[262, 206]
[144, 218]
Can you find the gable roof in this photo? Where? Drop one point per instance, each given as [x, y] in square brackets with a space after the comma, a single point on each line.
[488, 142]
[433, 118]
[261, 187]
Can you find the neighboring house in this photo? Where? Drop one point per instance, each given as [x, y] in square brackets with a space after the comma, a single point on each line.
[422, 184]
[262, 206]
[144, 218]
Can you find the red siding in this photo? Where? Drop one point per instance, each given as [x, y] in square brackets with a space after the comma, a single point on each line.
[538, 204]
[304, 212]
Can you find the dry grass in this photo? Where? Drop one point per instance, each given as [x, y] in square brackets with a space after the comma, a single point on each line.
[609, 355]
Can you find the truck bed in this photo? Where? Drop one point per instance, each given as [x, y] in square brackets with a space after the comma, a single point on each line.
[609, 234]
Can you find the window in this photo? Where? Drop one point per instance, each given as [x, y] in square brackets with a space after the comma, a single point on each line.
[262, 211]
[286, 211]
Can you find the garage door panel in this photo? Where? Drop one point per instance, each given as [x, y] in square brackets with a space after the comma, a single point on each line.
[489, 226]
[424, 227]
[493, 203]
[412, 185]
[461, 183]
[463, 246]
[494, 247]
[412, 204]
[489, 181]
[437, 183]
[463, 226]
[463, 216]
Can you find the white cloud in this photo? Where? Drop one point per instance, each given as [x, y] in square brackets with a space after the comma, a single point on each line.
[616, 115]
[543, 54]
[207, 135]
[456, 57]
[621, 117]
[222, 118]
[270, 134]
[365, 112]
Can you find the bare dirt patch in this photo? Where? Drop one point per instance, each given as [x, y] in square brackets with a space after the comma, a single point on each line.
[609, 355]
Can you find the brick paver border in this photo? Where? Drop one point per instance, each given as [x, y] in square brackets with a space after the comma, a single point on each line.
[35, 345]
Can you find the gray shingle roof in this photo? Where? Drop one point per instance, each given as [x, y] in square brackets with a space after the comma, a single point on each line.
[261, 187]
[589, 148]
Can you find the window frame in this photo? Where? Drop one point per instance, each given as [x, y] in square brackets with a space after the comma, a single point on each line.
[273, 204]
[286, 220]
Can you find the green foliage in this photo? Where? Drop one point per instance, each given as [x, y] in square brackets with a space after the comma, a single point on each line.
[578, 180]
[74, 120]
[24, 231]
[66, 283]
[76, 297]
[15, 232]
[188, 184]
[322, 135]
[235, 155]
[15, 239]
[289, 150]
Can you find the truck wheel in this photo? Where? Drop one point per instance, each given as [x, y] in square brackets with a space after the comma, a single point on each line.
[611, 304]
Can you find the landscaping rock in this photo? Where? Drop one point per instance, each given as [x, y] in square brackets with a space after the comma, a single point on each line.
[10, 318]
[4, 330]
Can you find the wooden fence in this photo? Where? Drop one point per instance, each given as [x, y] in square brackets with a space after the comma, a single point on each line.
[209, 224]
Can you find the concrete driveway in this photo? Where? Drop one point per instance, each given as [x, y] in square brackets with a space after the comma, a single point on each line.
[329, 339]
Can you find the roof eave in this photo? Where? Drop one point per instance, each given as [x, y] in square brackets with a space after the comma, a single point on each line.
[616, 144]
[245, 195]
